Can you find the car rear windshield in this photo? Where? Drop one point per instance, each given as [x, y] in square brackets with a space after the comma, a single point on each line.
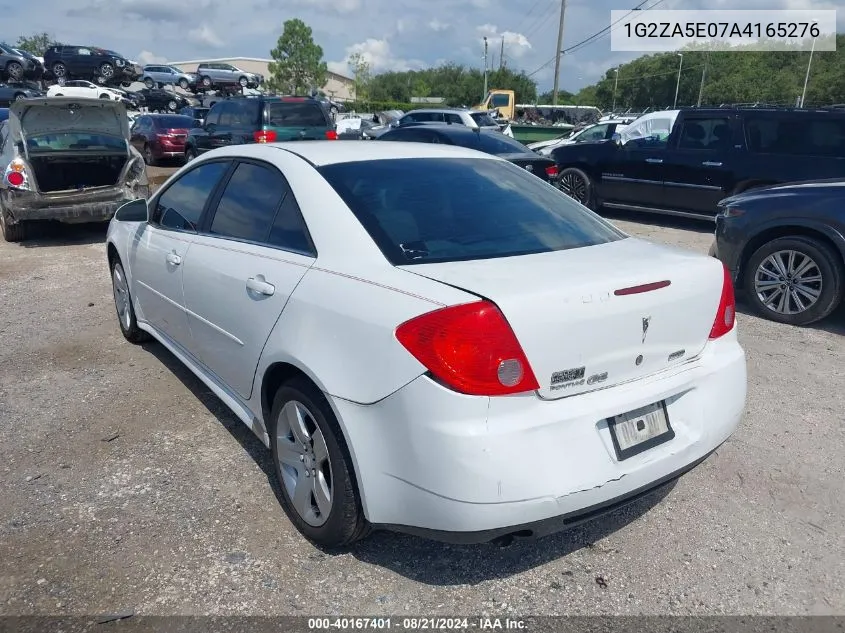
[74, 141]
[490, 143]
[292, 114]
[426, 210]
[482, 119]
[173, 121]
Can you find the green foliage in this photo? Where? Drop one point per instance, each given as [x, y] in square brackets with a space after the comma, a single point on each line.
[460, 86]
[36, 44]
[361, 72]
[773, 77]
[297, 64]
[563, 98]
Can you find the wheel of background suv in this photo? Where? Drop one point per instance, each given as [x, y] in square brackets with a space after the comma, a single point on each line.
[313, 467]
[123, 304]
[12, 232]
[149, 83]
[183, 84]
[576, 184]
[19, 96]
[206, 82]
[14, 70]
[190, 154]
[59, 70]
[106, 70]
[149, 157]
[794, 280]
[244, 82]
[172, 105]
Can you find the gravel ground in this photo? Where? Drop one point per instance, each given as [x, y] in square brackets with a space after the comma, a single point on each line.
[126, 485]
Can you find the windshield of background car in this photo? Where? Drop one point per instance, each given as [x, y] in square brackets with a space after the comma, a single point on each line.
[482, 119]
[428, 210]
[73, 141]
[171, 121]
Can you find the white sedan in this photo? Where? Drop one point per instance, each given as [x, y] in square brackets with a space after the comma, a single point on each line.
[83, 89]
[431, 339]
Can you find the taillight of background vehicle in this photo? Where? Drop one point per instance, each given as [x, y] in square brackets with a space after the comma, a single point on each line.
[469, 348]
[264, 136]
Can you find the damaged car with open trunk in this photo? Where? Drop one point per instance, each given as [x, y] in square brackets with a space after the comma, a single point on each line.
[68, 160]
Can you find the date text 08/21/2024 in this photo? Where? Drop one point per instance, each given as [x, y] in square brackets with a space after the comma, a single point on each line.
[416, 623]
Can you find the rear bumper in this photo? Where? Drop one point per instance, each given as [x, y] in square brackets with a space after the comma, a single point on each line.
[469, 469]
[83, 206]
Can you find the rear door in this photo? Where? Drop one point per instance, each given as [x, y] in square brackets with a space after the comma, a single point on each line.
[252, 252]
[700, 162]
[294, 119]
[159, 251]
[140, 131]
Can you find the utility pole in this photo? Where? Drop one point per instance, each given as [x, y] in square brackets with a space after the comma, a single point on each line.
[678, 83]
[484, 96]
[703, 75]
[615, 84]
[559, 51]
[807, 76]
[502, 54]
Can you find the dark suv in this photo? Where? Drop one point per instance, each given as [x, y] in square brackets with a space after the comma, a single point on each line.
[683, 162]
[17, 65]
[85, 62]
[240, 120]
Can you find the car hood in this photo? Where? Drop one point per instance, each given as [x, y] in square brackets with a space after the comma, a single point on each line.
[53, 114]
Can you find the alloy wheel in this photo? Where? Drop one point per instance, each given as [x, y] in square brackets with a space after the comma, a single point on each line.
[15, 70]
[121, 297]
[573, 186]
[304, 461]
[788, 282]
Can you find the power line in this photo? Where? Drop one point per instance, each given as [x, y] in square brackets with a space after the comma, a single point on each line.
[605, 31]
[541, 23]
[527, 15]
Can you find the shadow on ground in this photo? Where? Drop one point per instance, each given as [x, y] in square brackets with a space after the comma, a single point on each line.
[46, 234]
[422, 560]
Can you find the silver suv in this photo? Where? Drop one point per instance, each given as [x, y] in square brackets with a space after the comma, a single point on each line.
[213, 74]
[152, 76]
[469, 118]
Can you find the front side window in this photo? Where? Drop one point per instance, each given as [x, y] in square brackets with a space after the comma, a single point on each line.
[426, 210]
[709, 133]
[181, 205]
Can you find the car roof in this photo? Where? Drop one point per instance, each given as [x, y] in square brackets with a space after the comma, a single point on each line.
[320, 153]
[449, 110]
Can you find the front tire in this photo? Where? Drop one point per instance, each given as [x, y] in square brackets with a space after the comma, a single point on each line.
[106, 71]
[183, 84]
[244, 82]
[190, 154]
[794, 280]
[577, 185]
[123, 304]
[149, 157]
[172, 105]
[149, 83]
[313, 467]
[15, 71]
[59, 70]
[206, 82]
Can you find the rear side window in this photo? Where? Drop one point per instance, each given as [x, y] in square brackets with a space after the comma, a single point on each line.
[425, 210]
[249, 203]
[181, 205]
[796, 136]
[284, 114]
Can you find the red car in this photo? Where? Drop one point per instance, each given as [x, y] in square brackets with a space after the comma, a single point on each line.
[161, 136]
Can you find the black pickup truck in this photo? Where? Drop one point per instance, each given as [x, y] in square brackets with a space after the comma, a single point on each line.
[685, 161]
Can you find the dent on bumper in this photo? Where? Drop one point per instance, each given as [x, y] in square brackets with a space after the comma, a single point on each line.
[77, 206]
[434, 462]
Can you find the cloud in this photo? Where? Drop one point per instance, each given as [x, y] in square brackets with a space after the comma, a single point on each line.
[204, 35]
[327, 6]
[148, 10]
[146, 57]
[436, 25]
[516, 44]
[379, 55]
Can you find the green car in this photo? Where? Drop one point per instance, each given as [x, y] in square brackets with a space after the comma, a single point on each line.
[260, 119]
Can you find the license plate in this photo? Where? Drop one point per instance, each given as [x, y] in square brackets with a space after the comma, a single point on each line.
[637, 431]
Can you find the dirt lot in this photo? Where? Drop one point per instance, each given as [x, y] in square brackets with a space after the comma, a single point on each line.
[127, 485]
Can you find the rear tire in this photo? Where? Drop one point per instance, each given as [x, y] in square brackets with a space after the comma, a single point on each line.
[243, 82]
[206, 82]
[149, 157]
[309, 428]
[19, 96]
[12, 232]
[821, 273]
[172, 106]
[59, 70]
[123, 305]
[577, 185]
[149, 83]
[15, 71]
[183, 84]
[106, 71]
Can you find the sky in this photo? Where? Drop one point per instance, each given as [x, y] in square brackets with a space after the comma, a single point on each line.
[390, 34]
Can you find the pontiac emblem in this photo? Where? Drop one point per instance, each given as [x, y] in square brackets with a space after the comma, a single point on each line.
[529, 168]
[646, 321]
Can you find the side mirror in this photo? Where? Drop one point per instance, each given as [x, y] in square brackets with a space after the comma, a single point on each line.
[617, 138]
[134, 211]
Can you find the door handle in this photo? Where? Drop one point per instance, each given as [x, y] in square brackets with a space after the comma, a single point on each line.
[654, 161]
[709, 163]
[173, 258]
[259, 285]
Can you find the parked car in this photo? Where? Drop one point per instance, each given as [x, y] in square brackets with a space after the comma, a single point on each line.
[158, 100]
[240, 120]
[468, 118]
[132, 100]
[85, 90]
[397, 321]
[155, 75]
[76, 62]
[594, 133]
[479, 139]
[333, 106]
[220, 74]
[383, 122]
[15, 91]
[196, 113]
[66, 159]
[160, 136]
[683, 162]
[18, 65]
[785, 248]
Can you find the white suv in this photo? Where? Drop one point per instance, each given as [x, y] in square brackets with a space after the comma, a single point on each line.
[469, 118]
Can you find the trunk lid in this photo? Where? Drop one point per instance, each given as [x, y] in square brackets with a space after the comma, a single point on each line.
[33, 117]
[534, 163]
[578, 332]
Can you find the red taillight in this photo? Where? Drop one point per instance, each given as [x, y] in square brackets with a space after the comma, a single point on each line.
[726, 314]
[15, 178]
[331, 135]
[470, 348]
[264, 136]
[551, 172]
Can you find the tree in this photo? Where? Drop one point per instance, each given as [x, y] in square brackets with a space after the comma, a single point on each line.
[297, 63]
[361, 72]
[36, 44]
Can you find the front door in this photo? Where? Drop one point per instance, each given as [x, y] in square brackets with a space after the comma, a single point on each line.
[633, 174]
[253, 251]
